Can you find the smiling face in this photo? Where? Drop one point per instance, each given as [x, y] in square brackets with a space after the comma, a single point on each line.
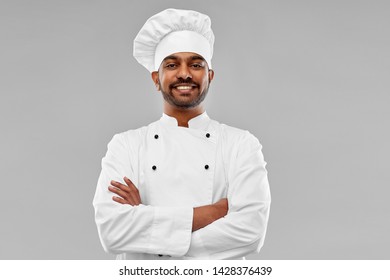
[183, 79]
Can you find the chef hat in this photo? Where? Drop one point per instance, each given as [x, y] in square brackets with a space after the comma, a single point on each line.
[172, 31]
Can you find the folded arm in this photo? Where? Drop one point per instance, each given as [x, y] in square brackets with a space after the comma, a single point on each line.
[205, 232]
[203, 215]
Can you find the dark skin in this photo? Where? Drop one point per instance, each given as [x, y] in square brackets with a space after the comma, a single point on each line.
[178, 67]
[183, 78]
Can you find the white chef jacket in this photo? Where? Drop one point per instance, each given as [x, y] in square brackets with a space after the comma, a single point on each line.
[176, 169]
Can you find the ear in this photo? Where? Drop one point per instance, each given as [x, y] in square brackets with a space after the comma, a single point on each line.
[211, 75]
[156, 80]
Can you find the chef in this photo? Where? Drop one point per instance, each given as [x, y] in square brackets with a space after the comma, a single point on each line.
[185, 186]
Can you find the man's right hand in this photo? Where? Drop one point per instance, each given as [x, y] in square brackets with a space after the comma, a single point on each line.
[127, 194]
[205, 215]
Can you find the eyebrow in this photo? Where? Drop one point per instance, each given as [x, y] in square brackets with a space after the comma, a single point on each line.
[194, 57]
[170, 57]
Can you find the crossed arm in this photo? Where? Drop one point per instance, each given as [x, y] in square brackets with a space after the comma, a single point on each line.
[203, 215]
[127, 225]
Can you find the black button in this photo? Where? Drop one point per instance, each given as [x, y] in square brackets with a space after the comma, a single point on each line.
[154, 167]
[208, 135]
[156, 136]
[206, 167]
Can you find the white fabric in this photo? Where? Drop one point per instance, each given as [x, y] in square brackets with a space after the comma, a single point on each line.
[162, 224]
[160, 26]
[182, 41]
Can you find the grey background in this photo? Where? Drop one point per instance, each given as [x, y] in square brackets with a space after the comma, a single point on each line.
[309, 78]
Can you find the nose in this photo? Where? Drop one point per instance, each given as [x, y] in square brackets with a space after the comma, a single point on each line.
[184, 72]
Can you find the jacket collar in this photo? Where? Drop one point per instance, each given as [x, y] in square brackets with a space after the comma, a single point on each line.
[199, 122]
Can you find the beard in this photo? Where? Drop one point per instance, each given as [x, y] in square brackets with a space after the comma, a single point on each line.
[184, 103]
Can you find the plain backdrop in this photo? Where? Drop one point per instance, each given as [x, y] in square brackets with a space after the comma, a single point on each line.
[309, 78]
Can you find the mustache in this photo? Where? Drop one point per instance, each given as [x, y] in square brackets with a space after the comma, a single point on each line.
[181, 81]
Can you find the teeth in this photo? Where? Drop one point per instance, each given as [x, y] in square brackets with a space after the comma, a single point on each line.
[183, 87]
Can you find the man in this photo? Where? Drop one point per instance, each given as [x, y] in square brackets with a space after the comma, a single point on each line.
[185, 186]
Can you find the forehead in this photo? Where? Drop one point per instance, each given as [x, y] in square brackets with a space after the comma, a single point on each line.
[184, 56]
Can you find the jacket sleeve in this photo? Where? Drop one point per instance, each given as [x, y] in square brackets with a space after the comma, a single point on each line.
[242, 230]
[138, 229]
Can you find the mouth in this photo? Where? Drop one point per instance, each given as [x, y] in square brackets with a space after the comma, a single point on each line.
[184, 88]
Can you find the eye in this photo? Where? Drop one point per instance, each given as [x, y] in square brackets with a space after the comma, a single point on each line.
[170, 65]
[197, 65]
